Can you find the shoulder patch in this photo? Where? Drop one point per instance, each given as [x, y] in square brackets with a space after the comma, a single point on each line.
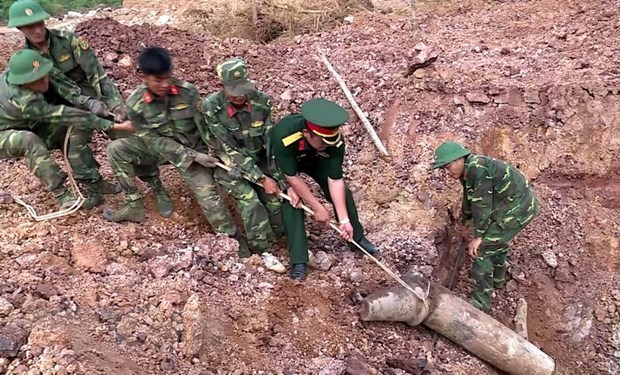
[290, 139]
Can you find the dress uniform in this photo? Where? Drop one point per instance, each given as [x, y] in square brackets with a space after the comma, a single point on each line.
[294, 155]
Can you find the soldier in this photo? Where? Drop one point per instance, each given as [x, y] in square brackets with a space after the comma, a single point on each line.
[501, 203]
[165, 113]
[70, 54]
[311, 142]
[74, 58]
[29, 125]
[240, 118]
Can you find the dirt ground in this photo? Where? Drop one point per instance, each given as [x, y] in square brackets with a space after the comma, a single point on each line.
[536, 83]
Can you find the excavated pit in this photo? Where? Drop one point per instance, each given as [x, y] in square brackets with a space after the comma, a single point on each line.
[535, 83]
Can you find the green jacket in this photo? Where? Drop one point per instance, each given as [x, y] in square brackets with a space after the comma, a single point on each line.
[21, 108]
[172, 126]
[496, 192]
[244, 134]
[73, 57]
[293, 154]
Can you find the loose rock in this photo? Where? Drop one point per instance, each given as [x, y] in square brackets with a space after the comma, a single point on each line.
[89, 257]
[160, 267]
[6, 307]
[12, 338]
[46, 291]
[193, 324]
[550, 258]
[321, 261]
[477, 97]
[511, 286]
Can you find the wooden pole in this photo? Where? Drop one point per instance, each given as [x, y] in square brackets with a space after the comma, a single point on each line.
[353, 103]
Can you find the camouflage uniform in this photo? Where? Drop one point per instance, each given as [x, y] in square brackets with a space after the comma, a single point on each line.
[30, 125]
[167, 132]
[244, 135]
[73, 57]
[501, 203]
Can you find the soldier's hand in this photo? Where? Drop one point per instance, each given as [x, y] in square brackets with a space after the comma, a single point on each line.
[322, 215]
[98, 108]
[473, 247]
[346, 231]
[271, 186]
[206, 160]
[125, 126]
[235, 173]
[295, 198]
[120, 113]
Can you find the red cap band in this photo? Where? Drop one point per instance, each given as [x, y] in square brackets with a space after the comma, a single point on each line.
[323, 132]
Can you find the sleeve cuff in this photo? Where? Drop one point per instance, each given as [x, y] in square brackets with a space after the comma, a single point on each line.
[106, 125]
[256, 175]
[185, 160]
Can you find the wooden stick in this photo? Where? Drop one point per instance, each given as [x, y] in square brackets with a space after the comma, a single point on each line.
[353, 103]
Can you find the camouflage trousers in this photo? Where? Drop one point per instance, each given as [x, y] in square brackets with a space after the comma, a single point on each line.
[489, 267]
[261, 212]
[128, 154]
[34, 146]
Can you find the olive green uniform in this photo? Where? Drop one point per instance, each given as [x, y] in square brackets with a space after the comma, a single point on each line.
[293, 156]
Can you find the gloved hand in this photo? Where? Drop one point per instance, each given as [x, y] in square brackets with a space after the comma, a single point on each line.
[98, 108]
[206, 160]
[120, 113]
[235, 173]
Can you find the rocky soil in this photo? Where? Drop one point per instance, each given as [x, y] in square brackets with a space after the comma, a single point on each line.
[536, 83]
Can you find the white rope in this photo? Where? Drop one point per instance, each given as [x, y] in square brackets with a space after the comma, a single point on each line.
[74, 189]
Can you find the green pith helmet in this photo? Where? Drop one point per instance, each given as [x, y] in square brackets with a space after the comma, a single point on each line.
[27, 66]
[26, 12]
[447, 153]
[235, 77]
[324, 118]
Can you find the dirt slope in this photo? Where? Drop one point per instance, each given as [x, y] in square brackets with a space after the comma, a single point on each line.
[535, 83]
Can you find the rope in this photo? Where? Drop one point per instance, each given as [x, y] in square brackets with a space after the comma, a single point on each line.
[418, 292]
[74, 189]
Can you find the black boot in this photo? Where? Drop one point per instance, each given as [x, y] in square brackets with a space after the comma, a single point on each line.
[165, 206]
[94, 191]
[366, 245]
[110, 187]
[64, 197]
[298, 272]
[131, 211]
[244, 249]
